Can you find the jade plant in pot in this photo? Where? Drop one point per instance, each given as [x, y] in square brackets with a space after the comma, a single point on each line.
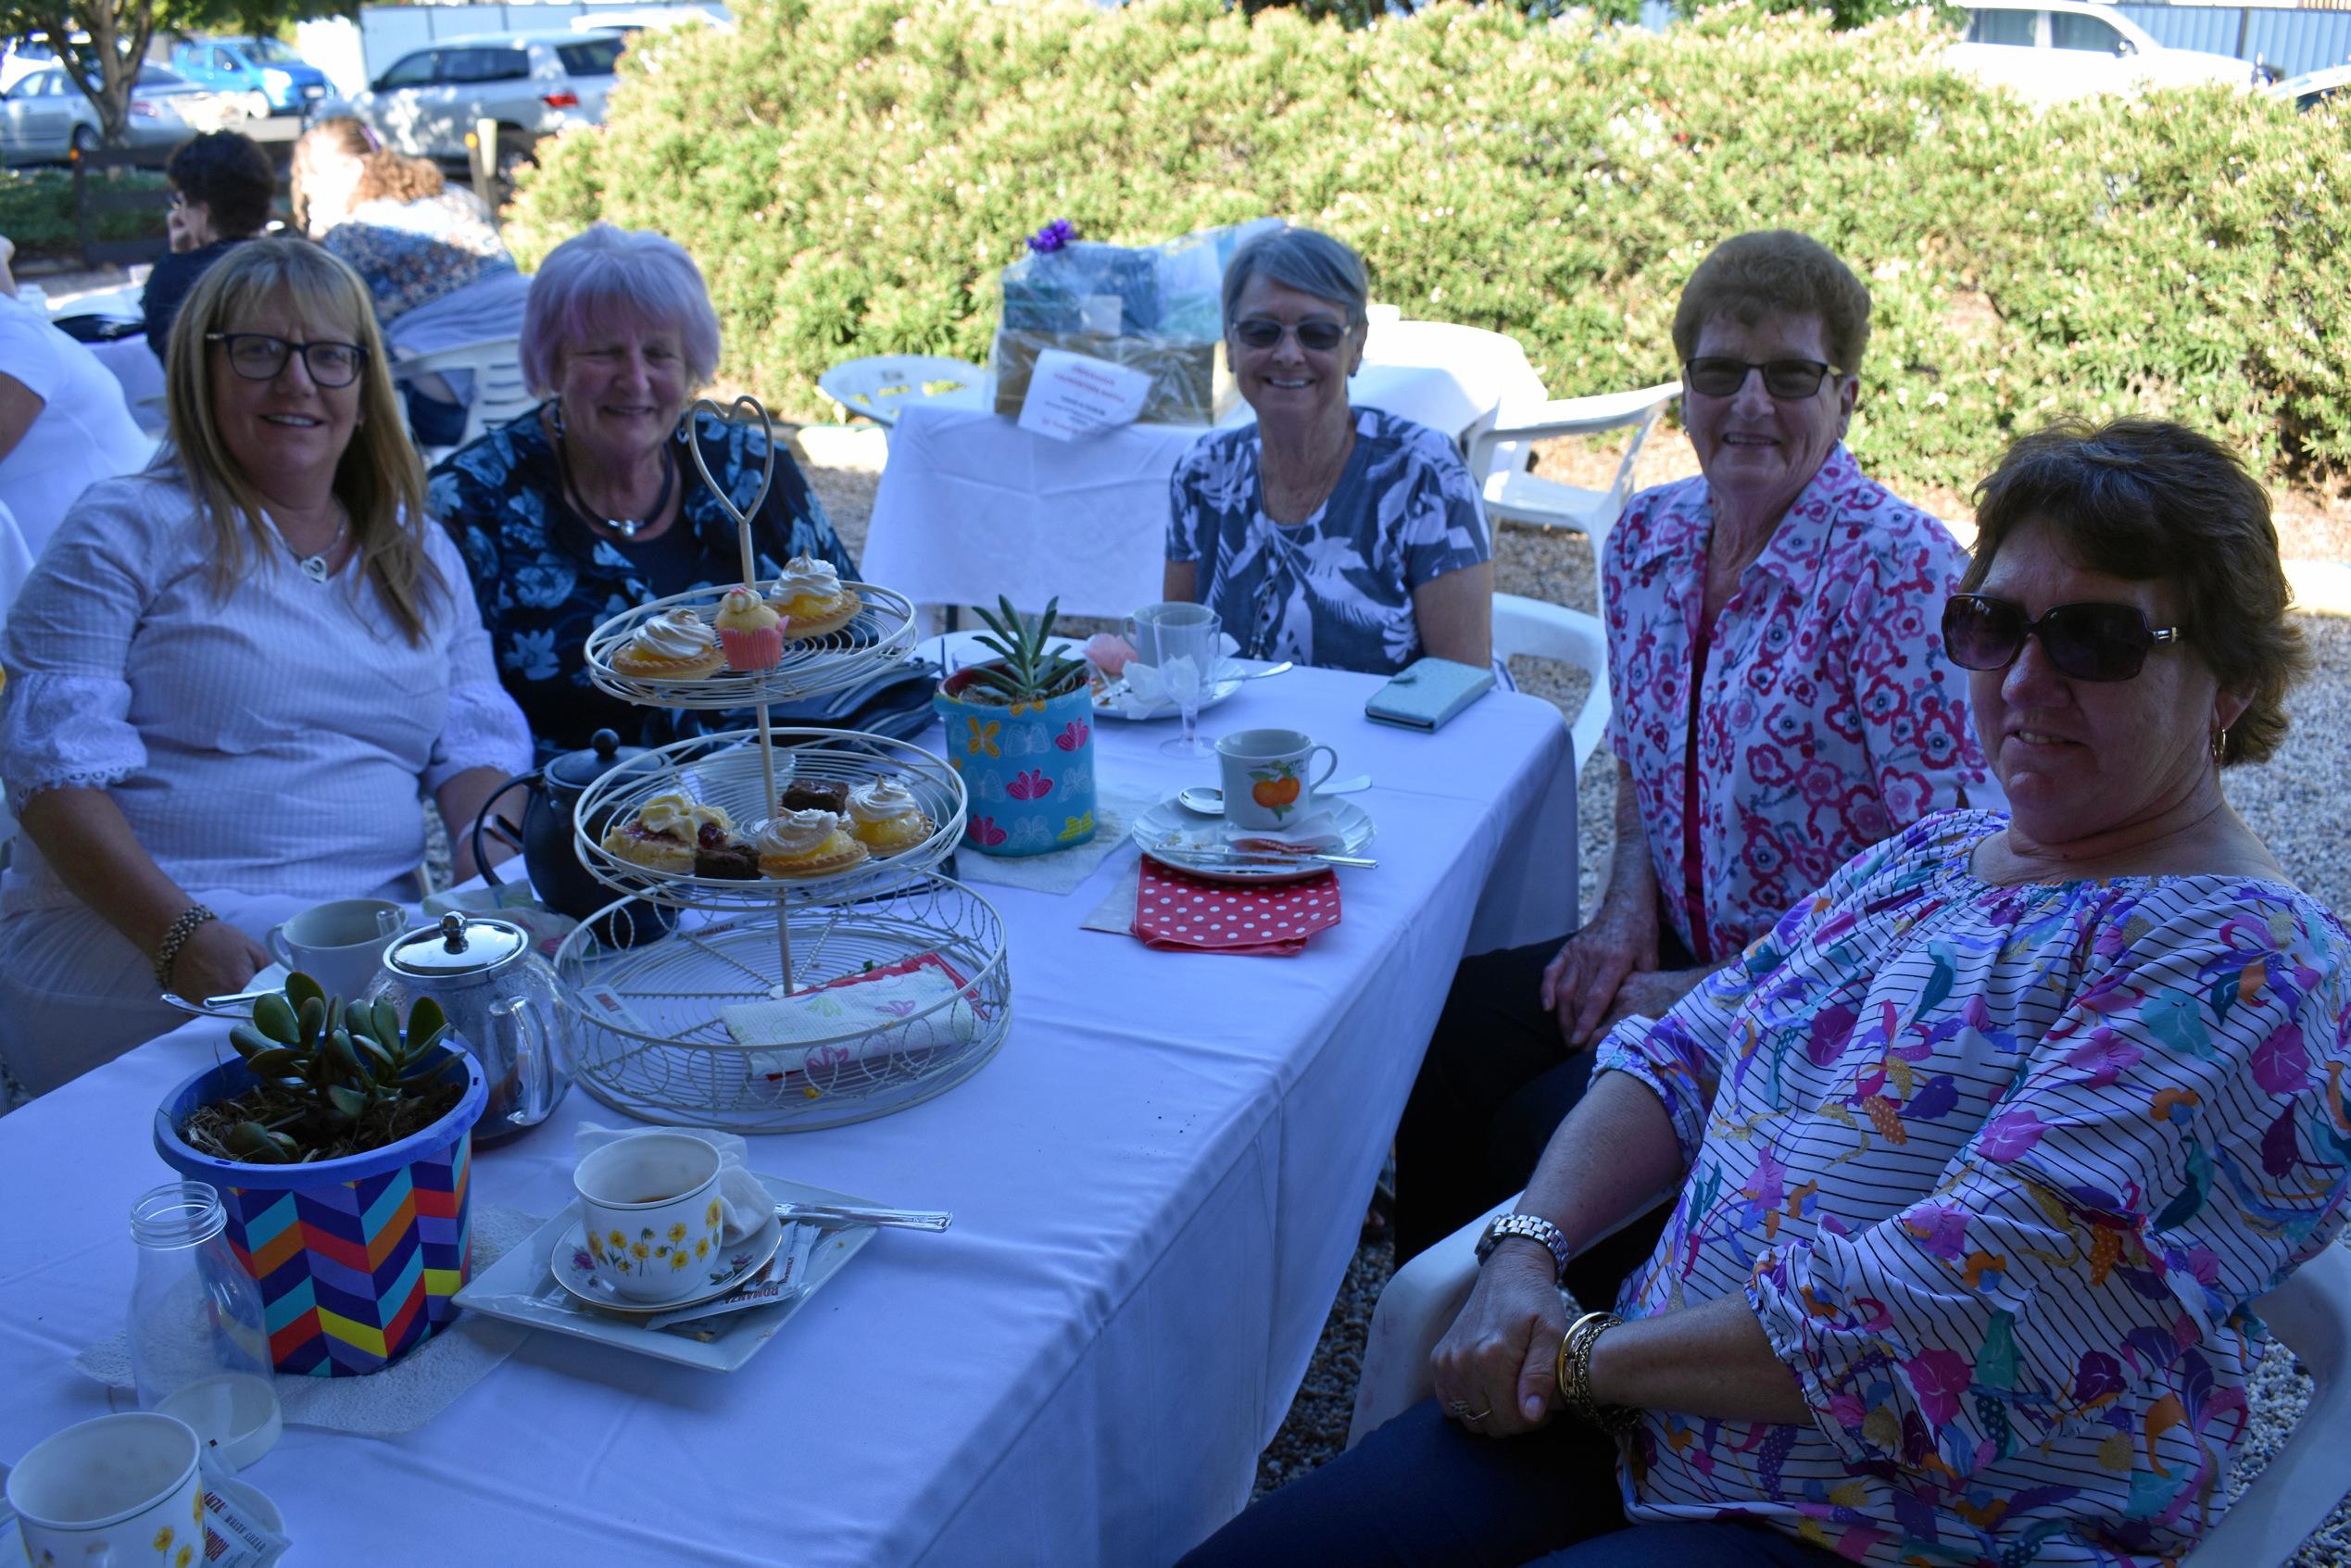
[1020, 730]
[340, 1140]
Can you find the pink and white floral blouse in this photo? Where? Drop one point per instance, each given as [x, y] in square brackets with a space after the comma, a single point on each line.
[1828, 716]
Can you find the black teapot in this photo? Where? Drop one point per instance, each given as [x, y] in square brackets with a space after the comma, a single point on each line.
[549, 855]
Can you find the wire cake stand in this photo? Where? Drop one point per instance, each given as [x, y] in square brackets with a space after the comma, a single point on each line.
[729, 770]
[883, 634]
[655, 1042]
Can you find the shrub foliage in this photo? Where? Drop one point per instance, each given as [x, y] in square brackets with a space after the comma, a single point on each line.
[851, 174]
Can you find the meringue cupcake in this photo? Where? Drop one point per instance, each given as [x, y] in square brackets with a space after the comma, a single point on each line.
[751, 634]
[884, 817]
[675, 645]
[794, 844]
[812, 599]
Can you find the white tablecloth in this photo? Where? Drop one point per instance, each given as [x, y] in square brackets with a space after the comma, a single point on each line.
[971, 506]
[1157, 1185]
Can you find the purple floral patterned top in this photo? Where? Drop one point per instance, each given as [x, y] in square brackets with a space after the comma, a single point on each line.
[1826, 714]
[1999, 1169]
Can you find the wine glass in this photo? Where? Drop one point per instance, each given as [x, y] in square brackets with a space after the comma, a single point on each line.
[1201, 639]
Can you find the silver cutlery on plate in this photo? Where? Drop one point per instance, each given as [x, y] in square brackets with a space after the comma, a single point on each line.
[841, 1214]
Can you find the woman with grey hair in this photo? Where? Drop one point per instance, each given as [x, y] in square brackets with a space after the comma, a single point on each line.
[1332, 536]
[586, 506]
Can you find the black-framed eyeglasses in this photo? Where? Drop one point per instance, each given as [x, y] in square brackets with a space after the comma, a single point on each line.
[259, 357]
[1263, 331]
[1718, 375]
[2087, 642]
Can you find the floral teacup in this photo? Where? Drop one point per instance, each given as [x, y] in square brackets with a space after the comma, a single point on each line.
[650, 1206]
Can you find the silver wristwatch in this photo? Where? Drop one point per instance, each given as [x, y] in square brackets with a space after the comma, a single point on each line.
[1534, 1227]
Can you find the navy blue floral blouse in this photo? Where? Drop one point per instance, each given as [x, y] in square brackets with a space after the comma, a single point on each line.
[544, 582]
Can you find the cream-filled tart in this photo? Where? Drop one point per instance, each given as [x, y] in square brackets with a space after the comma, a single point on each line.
[670, 834]
[885, 817]
[794, 844]
[812, 599]
[675, 645]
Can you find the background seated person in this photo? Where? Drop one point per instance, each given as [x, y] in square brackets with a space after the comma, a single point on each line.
[587, 505]
[64, 421]
[1331, 535]
[430, 254]
[229, 675]
[1773, 617]
[1980, 1153]
[221, 187]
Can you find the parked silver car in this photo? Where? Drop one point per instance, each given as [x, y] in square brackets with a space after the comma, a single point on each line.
[44, 117]
[531, 85]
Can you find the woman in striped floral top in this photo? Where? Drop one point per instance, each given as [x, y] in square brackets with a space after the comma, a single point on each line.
[1975, 1161]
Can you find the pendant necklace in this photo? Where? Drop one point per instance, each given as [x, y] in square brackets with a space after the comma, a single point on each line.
[313, 566]
[626, 527]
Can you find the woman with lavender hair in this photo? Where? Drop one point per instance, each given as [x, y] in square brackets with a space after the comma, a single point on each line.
[589, 504]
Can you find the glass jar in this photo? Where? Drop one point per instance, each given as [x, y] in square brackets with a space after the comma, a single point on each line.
[195, 1311]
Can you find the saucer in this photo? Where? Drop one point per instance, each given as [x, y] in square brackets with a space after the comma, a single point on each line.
[733, 1268]
[1167, 830]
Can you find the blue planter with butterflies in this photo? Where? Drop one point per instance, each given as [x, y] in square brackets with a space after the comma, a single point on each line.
[1028, 767]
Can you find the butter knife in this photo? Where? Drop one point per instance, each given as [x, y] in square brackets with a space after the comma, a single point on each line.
[843, 1214]
[1264, 858]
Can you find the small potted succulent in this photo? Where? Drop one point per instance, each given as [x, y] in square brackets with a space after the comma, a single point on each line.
[1020, 730]
[341, 1144]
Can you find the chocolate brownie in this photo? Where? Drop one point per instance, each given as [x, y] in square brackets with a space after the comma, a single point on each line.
[720, 854]
[817, 795]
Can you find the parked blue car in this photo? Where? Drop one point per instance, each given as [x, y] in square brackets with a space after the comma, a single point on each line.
[272, 78]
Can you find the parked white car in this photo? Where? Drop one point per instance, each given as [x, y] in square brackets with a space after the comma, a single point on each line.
[2051, 50]
[2329, 83]
[531, 85]
[44, 118]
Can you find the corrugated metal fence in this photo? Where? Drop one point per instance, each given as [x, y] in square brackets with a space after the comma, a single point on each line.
[2292, 41]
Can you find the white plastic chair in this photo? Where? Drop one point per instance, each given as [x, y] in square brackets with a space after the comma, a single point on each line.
[1536, 630]
[495, 394]
[877, 387]
[2310, 1315]
[1499, 454]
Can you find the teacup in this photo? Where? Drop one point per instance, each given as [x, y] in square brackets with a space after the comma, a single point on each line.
[338, 945]
[1143, 629]
[119, 1489]
[655, 1225]
[1264, 777]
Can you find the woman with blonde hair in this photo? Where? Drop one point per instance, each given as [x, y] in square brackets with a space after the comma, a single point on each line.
[229, 674]
[429, 254]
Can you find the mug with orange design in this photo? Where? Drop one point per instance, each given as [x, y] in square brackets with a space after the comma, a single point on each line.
[650, 1206]
[1264, 777]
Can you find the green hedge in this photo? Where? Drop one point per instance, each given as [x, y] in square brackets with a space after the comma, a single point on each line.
[851, 174]
[36, 211]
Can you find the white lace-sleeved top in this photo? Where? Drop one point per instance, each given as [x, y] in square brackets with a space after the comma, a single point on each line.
[270, 742]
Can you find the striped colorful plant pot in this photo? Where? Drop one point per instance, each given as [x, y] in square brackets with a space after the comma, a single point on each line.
[358, 1259]
[1028, 767]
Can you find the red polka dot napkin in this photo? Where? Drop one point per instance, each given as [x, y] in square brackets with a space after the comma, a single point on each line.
[1178, 911]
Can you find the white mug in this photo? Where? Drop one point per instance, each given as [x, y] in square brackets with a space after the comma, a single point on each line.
[338, 945]
[114, 1491]
[656, 1229]
[1264, 777]
[1142, 629]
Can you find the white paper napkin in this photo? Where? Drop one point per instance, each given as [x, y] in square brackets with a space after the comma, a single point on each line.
[747, 1204]
[1317, 829]
[1059, 872]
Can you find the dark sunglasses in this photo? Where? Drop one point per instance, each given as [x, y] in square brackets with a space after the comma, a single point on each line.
[2087, 642]
[1320, 336]
[1718, 375]
[259, 357]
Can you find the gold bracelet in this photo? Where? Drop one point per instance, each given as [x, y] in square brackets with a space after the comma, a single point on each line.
[1575, 1375]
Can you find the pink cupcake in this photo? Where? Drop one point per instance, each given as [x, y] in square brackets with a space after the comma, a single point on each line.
[751, 634]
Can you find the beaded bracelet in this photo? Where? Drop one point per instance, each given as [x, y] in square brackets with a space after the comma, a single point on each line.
[175, 937]
[1574, 1375]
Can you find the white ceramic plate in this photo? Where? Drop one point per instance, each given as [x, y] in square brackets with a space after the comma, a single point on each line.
[517, 1289]
[1166, 830]
[734, 1267]
[1112, 701]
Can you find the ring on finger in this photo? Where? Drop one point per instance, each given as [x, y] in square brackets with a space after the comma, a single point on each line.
[1468, 1415]
[1459, 1407]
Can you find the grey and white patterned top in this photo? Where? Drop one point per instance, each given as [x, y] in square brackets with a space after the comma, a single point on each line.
[270, 741]
[1337, 589]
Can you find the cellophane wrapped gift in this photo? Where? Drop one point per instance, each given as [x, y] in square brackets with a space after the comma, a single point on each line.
[1158, 310]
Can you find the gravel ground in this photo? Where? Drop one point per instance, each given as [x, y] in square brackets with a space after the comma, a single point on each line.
[2284, 801]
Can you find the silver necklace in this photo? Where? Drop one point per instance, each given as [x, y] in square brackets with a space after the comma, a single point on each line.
[313, 566]
[628, 528]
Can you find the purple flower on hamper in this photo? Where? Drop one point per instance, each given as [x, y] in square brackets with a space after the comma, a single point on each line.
[1052, 237]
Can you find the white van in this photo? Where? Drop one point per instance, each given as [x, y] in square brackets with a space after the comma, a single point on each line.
[2050, 50]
